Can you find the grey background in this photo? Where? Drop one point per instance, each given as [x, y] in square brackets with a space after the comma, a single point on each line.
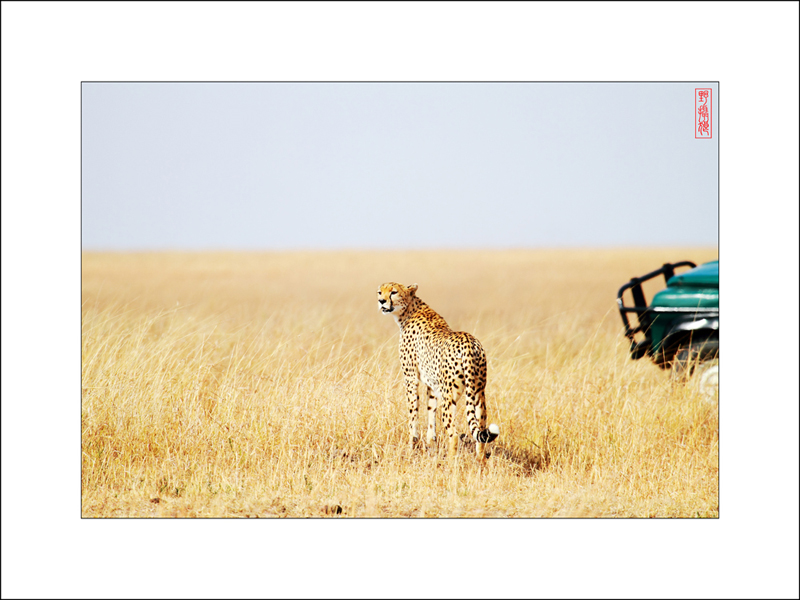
[750, 48]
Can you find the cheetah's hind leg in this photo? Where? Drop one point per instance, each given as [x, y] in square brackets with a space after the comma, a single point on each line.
[483, 435]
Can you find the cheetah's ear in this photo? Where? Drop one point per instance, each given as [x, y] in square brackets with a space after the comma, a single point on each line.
[412, 288]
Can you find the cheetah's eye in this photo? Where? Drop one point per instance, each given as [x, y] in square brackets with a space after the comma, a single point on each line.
[394, 292]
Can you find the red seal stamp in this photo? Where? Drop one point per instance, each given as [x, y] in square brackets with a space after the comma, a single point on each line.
[702, 113]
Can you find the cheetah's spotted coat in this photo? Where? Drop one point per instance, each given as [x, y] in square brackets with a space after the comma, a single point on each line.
[438, 364]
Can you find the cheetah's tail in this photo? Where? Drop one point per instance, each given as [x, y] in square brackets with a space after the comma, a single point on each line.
[488, 435]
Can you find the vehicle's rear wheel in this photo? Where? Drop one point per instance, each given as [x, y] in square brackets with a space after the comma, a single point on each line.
[697, 364]
[706, 377]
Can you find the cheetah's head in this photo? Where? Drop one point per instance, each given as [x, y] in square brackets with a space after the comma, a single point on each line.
[395, 298]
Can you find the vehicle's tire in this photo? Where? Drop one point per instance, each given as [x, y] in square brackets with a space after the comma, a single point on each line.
[706, 378]
[697, 364]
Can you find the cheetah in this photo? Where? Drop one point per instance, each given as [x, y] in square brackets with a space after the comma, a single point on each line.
[439, 365]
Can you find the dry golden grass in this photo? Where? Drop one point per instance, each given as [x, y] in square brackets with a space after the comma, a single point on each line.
[268, 384]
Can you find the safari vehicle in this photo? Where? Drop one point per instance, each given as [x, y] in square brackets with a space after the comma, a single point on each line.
[679, 329]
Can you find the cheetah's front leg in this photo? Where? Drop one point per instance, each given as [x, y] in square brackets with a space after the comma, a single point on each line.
[426, 394]
[412, 395]
[448, 417]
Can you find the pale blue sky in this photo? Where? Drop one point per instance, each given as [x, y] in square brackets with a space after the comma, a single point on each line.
[395, 165]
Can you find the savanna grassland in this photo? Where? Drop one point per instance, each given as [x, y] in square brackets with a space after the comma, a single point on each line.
[269, 385]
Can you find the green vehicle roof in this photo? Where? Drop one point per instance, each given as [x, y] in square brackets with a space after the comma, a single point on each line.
[696, 288]
[706, 275]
